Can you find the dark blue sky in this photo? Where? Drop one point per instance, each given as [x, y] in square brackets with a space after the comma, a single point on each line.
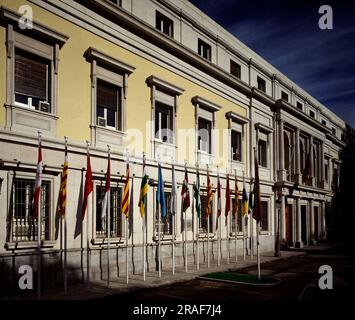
[286, 34]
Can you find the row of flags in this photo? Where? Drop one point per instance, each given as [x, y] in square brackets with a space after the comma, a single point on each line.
[246, 205]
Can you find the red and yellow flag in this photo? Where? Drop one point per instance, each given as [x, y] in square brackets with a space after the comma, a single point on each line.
[62, 204]
[209, 195]
[125, 199]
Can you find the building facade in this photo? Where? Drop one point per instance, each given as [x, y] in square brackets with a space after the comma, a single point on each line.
[159, 77]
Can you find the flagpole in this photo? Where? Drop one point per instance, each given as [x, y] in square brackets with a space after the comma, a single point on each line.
[198, 212]
[65, 237]
[159, 220]
[235, 216]
[218, 221]
[108, 213]
[87, 233]
[208, 229]
[127, 235]
[143, 223]
[185, 229]
[257, 248]
[39, 231]
[243, 231]
[227, 222]
[172, 210]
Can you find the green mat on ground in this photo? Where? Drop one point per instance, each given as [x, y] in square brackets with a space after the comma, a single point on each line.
[238, 277]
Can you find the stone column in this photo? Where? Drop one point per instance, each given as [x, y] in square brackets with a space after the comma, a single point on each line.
[312, 160]
[299, 243]
[282, 219]
[322, 161]
[311, 222]
[298, 175]
[282, 171]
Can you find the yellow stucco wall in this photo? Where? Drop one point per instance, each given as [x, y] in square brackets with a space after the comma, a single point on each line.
[74, 95]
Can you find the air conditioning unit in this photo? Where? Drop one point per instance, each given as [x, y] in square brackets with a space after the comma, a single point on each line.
[203, 146]
[101, 122]
[44, 106]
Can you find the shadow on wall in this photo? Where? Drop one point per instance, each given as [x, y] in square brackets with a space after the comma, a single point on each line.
[51, 277]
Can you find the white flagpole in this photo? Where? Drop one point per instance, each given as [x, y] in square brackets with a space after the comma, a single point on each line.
[159, 219]
[65, 239]
[208, 242]
[39, 231]
[257, 248]
[243, 230]
[236, 219]
[251, 234]
[173, 212]
[108, 213]
[143, 225]
[127, 235]
[198, 242]
[185, 229]
[87, 235]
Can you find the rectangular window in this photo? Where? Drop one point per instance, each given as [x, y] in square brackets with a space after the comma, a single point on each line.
[204, 49]
[235, 69]
[312, 114]
[117, 2]
[264, 223]
[24, 226]
[284, 96]
[262, 153]
[164, 123]
[299, 105]
[324, 123]
[166, 224]
[261, 84]
[32, 81]
[236, 138]
[204, 135]
[116, 221]
[108, 105]
[203, 218]
[164, 24]
[333, 131]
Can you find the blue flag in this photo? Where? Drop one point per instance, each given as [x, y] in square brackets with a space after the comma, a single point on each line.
[160, 192]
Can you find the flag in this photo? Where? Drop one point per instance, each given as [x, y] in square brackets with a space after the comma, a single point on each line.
[257, 210]
[38, 182]
[244, 200]
[107, 189]
[236, 195]
[250, 209]
[143, 192]
[228, 198]
[88, 183]
[209, 195]
[185, 194]
[219, 205]
[125, 199]
[197, 195]
[160, 192]
[173, 191]
[63, 185]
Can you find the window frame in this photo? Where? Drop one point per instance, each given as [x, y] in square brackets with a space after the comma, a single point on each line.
[261, 82]
[115, 72]
[204, 49]
[235, 66]
[164, 19]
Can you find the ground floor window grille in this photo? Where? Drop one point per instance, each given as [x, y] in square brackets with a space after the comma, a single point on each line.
[116, 220]
[24, 225]
[239, 216]
[203, 218]
[166, 224]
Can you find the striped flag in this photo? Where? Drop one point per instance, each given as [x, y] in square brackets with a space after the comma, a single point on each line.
[236, 196]
[63, 185]
[173, 191]
[107, 189]
[244, 200]
[125, 198]
[219, 205]
[185, 193]
[38, 182]
[143, 192]
[160, 192]
[209, 195]
[257, 210]
[228, 198]
[88, 183]
[197, 195]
